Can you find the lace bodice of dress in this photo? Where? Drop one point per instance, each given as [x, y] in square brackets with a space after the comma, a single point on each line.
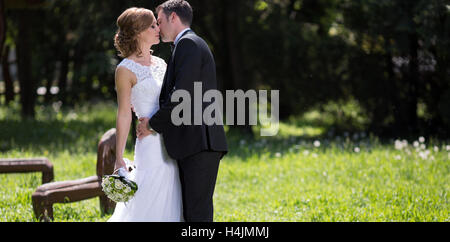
[145, 94]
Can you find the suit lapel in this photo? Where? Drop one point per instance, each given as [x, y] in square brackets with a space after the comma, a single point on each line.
[168, 76]
[175, 48]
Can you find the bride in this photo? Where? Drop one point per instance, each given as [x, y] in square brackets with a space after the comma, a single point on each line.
[139, 79]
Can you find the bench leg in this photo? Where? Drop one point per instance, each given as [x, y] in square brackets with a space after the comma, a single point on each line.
[48, 213]
[106, 206]
[42, 211]
[47, 177]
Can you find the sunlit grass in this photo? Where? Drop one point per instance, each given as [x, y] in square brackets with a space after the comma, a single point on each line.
[331, 184]
[303, 174]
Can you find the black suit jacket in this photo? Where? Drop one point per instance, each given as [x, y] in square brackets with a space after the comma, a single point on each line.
[191, 62]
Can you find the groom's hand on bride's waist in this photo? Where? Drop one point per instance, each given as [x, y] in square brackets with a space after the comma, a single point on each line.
[142, 129]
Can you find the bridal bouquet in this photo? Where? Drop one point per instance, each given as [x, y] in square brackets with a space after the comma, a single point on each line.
[118, 187]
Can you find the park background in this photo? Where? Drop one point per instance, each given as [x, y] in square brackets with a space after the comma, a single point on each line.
[364, 104]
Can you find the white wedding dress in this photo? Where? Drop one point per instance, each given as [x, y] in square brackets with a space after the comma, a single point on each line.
[158, 198]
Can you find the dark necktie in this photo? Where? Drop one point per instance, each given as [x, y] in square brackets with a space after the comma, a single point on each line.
[172, 47]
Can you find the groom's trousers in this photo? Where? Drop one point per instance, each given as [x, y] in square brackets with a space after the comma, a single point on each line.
[198, 174]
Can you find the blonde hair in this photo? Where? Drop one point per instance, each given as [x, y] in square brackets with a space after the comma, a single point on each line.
[131, 23]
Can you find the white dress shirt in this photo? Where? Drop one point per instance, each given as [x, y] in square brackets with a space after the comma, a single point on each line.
[177, 39]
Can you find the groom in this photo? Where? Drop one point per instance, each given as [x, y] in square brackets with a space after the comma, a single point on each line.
[197, 148]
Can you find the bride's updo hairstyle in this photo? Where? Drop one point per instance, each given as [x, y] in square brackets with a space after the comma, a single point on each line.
[130, 23]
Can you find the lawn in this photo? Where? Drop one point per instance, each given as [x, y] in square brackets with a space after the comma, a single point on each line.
[303, 174]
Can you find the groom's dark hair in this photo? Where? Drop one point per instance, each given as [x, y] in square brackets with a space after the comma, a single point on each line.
[181, 7]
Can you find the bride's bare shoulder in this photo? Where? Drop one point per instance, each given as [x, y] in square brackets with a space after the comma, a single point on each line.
[125, 74]
[122, 71]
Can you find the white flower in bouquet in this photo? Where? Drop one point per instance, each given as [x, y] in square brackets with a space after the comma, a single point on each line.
[127, 190]
[118, 185]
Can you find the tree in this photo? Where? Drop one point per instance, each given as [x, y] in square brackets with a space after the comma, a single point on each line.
[2, 26]
[25, 13]
[396, 41]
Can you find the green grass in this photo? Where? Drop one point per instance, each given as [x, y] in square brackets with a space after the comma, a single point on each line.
[283, 178]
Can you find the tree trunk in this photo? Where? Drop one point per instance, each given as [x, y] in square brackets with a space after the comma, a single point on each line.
[234, 59]
[49, 75]
[24, 64]
[76, 85]
[62, 79]
[410, 117]
[411, 111]
[392, 92]
[9, 87]
[2, 26]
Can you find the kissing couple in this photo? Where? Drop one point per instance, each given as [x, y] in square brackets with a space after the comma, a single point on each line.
[176, 166]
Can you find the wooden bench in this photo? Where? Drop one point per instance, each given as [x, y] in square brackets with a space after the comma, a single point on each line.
[28, 165]
[76, 190]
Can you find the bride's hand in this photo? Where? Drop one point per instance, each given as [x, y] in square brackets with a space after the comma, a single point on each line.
[141, 130]
[119, 164]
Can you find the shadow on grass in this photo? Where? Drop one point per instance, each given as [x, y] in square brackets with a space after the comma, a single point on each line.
[74, 135]
[77, 136]
[82, 135]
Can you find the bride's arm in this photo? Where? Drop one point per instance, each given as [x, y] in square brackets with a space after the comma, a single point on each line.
[123, 87]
